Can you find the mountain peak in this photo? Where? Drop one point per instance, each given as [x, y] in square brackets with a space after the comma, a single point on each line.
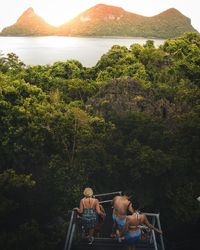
[105, 7]
[171, 12]
[27, 14]
[29, 10]
[29, 23]
[102, 12]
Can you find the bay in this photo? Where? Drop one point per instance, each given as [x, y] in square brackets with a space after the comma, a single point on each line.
[49, 49]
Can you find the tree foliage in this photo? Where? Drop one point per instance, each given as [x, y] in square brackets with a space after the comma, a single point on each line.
[130, 122]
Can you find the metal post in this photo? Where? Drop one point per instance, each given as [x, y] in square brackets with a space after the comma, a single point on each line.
[71, 236]
[154, 240]
[69, 230]
[161, 237]
[153, 223]
[159, 227]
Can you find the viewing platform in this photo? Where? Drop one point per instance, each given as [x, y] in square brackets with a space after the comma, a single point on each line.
[76, 238]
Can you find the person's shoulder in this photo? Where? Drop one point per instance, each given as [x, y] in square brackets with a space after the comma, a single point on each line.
[141, 216]
[128, 218]
[114, 199]
[95, 200]
[117, 197]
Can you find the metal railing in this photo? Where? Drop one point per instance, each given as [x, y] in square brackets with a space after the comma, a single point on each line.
[155, 221]
[107, 194]
[70, 231]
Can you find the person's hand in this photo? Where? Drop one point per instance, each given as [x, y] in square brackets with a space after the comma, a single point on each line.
[159, 231]
[75, 209]
[103, 215]
[113, 235]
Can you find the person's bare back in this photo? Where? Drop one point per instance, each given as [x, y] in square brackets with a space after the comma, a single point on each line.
[136, 219]
[120, 206]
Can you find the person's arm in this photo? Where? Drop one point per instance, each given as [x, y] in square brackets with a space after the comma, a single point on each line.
[80, 209]
[149, 225]
[125, 228]
[130, 207]
[98, 209]
[102, 209]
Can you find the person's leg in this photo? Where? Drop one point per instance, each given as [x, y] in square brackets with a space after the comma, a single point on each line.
[91, 235]
[114, 227]
[96, 233]
[118, 235]
[91, 232]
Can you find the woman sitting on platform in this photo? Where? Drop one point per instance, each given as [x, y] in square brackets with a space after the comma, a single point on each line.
[132, 232]
[89, 210]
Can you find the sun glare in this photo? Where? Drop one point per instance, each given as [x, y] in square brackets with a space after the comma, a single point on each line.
[57, 16]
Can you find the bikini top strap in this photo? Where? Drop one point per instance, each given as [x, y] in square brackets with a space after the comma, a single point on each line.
[138, 220]
[83, 202]
[93, 201]
[90, 204]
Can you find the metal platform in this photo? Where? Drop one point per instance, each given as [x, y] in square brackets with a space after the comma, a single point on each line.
[108, 244]
[75, 238]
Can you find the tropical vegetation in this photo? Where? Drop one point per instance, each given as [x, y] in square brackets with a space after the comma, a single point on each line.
[130, 122]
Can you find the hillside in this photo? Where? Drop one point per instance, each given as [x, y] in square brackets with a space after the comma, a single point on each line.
[105, 20]
[121, 97]
[29, 24]
[102, 20]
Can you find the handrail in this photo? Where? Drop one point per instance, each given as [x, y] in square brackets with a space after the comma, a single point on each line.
[161, 236]
[154, 240]
[71, 236]
[69, 232]
[156, 216]
[105, 194]
[106, 201]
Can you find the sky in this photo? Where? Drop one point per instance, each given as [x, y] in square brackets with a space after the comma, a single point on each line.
[57, 12]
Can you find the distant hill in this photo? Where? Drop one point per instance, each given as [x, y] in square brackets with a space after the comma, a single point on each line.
[29, 24]
[105, 20]
[101, 20]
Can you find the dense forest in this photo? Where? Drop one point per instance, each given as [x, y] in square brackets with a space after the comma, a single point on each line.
[130, 122]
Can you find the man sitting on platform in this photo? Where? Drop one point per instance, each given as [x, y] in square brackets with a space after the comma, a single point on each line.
[121, 206]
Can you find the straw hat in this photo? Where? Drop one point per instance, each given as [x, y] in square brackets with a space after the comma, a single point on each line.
[88, 192]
